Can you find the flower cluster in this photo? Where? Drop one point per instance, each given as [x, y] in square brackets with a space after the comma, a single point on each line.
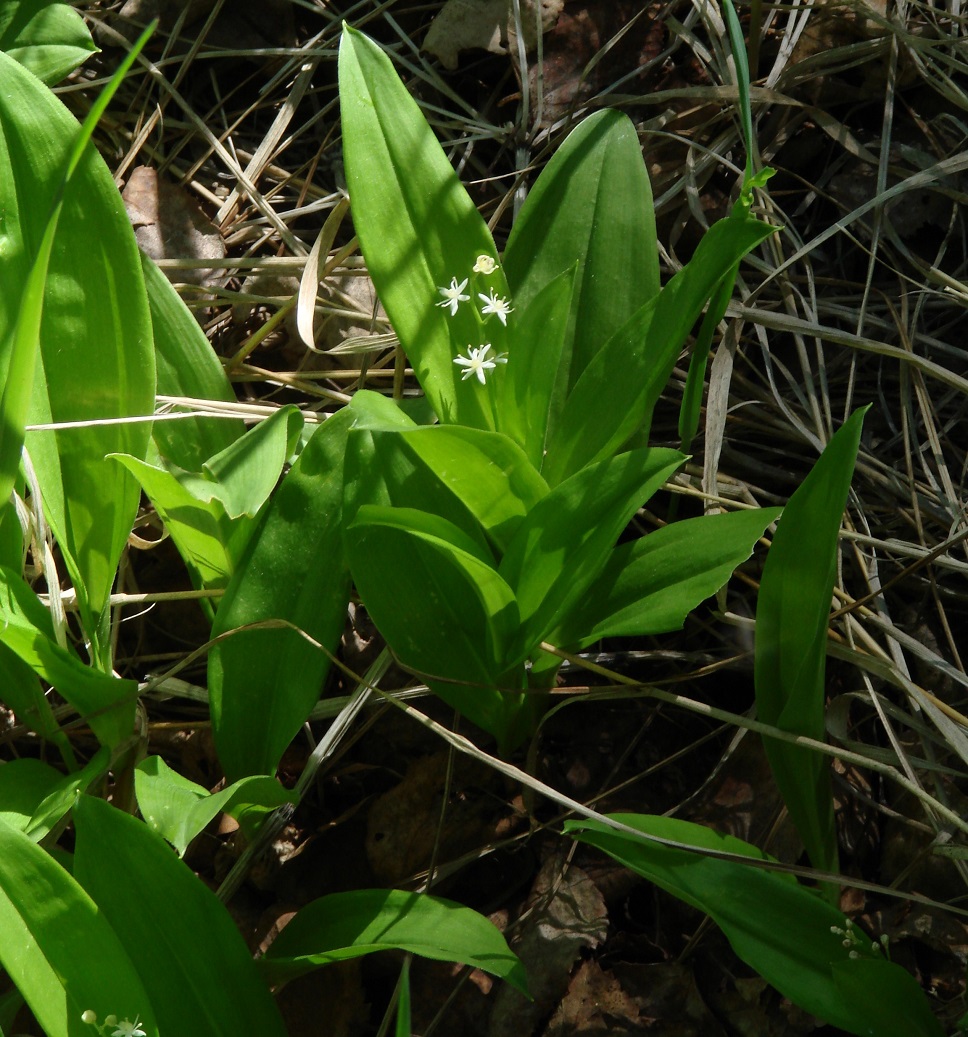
[111, 1027]
[477, 362]
[855, 942]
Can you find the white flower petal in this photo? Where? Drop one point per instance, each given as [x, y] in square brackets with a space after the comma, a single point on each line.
[453, 296]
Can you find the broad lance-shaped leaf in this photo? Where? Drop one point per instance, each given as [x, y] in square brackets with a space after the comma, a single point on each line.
[443, 609]
[564, 541]
[614, 396]
[530, 393]
[347, 925]
[591, 204]
[210, 514]
[58, 948]
[792, 614]
[191, 957]
[419, 231]
[96, 359]
[650, 585]
[264, 683]
[48, 39]
[487, 472]
[380, 470]
[782, 929]
[188, 367]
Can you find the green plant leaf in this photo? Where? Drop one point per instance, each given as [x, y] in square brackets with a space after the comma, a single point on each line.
[563, 543]
[792, 615]
[105, 702]
[264, 683]
[488, 472]
[187, 367]
[48, 39]
[347, 925]
[24, 784]
[244, 474]
[418, 229]
[57, 947]
[60, 800]
[650, 585]
[23, 694]
[777, 926]
[530, 393]
[888, 997]
[210, 514]
[192, 960]
[382, 470]
[10, 1004]
[404, 1022]
[95, 359]
[592, 204]
[177, 809]
[208, 541]
[443, 609]
[615, 394]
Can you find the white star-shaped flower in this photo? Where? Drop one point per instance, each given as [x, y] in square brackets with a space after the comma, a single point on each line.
[452, 295]
[494, 304]
[129, 1029]
[477, 362]
[484, 265]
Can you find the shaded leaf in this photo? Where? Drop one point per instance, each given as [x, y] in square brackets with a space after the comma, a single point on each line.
[58, 948]
[780, 928]
[347, 925]
[187, 367]
[616, 391]
[193, 961]
[565, 540]
[530, 391]
[105, 702]
[792, 614]
[443, 609]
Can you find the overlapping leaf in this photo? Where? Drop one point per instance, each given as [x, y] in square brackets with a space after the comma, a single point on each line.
[263, 683]
[193, 961]
[95, 358]
[58, 948]
[650, 585]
